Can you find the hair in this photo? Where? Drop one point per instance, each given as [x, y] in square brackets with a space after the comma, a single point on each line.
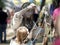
[22, 33]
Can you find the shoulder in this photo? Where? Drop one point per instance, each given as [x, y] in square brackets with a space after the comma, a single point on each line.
[13, 42]
[56, 10]
[17, 14]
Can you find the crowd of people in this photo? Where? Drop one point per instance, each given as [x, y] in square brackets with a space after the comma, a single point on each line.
[30, 24]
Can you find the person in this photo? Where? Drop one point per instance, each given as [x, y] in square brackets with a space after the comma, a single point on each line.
[41, 15]
[21, 36]
[53, 6]
[42, 4]
[33, 15]
[56, 20]
[8, 18]
[3, 25]
[57, 32]
[23, 14]
[56, 12]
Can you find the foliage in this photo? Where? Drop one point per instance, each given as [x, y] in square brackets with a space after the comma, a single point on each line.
[2, 4]
[37, 3]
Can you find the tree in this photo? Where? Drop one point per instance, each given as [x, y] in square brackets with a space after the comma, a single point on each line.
[42, 4]
[2, 4]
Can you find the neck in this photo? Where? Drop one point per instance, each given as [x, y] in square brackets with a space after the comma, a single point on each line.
[17, 40]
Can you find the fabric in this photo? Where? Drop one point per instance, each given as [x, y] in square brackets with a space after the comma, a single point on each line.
[3, 17]
[13, 42]
[3, 30]
[51, 9]
[57, 41]
[56, 13]
[17, 18]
